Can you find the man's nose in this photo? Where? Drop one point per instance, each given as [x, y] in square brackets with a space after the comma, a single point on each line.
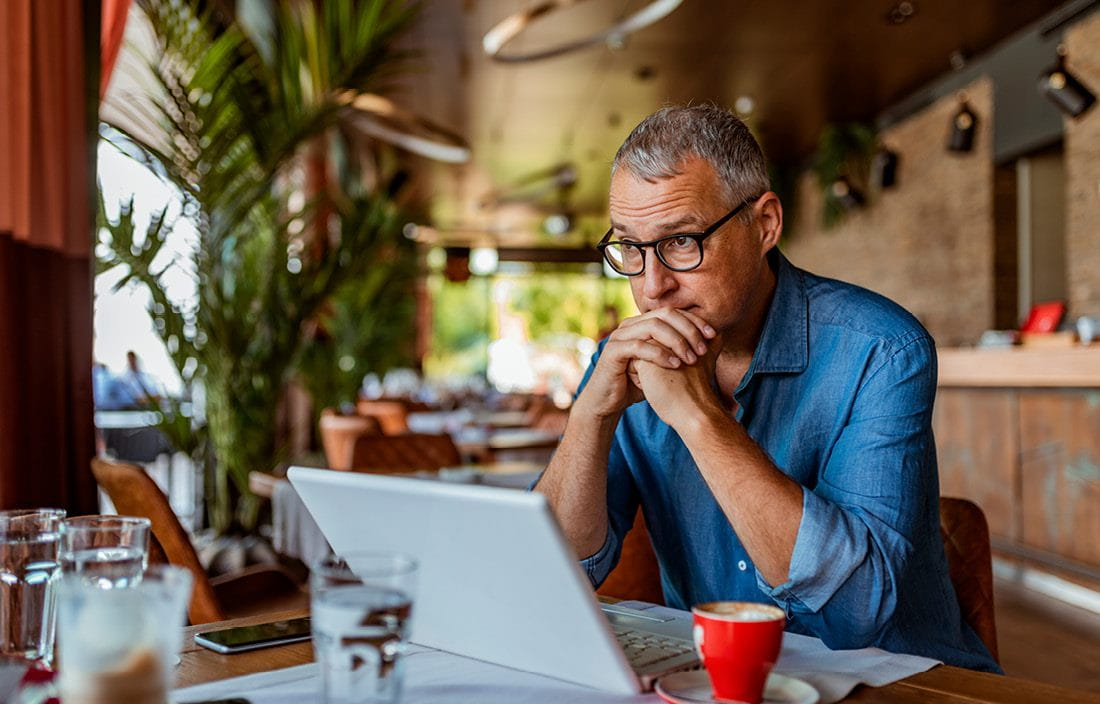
[658, 278]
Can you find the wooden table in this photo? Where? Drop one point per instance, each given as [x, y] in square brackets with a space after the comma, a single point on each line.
[501, 419]
[511, 443]
[940, 685]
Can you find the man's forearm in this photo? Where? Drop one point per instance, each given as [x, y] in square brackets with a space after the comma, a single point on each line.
[763, 505]
[575, 482]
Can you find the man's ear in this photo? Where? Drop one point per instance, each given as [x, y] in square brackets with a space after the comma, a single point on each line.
[769, 218]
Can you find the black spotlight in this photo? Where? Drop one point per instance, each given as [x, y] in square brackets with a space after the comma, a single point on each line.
[1064, 90]
[884, 168]
[963, 126]
[846, 194]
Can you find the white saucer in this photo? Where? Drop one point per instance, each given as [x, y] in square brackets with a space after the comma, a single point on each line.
[694, 688]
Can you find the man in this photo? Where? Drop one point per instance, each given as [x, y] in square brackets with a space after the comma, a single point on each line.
[774, 426]
[138, 389]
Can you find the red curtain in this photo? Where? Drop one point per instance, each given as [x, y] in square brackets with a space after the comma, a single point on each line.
[110, 39]
[49, 80]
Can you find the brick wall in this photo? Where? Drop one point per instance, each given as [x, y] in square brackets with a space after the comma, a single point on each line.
[1082, 160]
[927, 243]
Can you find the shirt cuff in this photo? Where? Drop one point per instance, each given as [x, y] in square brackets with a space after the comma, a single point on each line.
[818, 565]
[599, 565]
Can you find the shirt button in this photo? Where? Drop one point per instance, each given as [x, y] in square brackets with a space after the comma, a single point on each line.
[742, 566]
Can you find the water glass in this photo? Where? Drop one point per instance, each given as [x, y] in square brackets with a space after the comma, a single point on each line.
[120, 644]
[28, 576]
[361, 605]
[109, 551]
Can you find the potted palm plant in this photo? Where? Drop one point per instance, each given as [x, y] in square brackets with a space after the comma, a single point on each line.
[239, 114]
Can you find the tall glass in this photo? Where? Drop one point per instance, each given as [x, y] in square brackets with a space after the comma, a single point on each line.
[28, 576]
[361, 604]
[120, 645]
[109, 551]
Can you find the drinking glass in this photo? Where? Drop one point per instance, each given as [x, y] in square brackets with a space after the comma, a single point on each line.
[109, 551]
[28, 576]
[361, 607]
[120, 644]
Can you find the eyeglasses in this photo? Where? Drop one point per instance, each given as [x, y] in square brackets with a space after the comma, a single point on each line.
[680, 252]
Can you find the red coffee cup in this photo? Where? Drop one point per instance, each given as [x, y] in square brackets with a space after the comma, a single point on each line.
[738, 642]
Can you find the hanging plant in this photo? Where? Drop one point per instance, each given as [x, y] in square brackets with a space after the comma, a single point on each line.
[843, 167]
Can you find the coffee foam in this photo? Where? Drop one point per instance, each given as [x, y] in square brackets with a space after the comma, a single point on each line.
[740, 611]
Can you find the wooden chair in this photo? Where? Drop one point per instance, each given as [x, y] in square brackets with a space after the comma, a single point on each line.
[401, 453]
[965, 540]
[254, 590]
[552, 420]
[338, 434]
[393, 416]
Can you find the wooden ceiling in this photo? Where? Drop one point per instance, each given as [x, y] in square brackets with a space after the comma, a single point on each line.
[803, 62]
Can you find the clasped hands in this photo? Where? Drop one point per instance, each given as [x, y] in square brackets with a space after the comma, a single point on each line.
[665, 356]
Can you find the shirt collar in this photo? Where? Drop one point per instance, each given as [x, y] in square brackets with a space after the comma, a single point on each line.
[784, 342]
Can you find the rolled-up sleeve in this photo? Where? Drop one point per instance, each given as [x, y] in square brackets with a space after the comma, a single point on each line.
[874, 500]
[622, 500]
[622, 504]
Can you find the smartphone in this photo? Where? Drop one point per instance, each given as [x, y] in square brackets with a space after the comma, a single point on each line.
[264, 635]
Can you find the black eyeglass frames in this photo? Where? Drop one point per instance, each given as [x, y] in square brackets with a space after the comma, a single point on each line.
[679, 252]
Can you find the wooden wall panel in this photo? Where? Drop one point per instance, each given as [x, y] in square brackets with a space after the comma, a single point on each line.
[976, 445]
[1060, 473]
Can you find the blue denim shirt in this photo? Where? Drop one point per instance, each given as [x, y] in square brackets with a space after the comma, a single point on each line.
[839, 394]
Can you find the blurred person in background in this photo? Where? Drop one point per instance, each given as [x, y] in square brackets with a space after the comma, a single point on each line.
[107, 391]
[137, 388]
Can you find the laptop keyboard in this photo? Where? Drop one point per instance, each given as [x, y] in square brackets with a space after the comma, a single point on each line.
[644, 649]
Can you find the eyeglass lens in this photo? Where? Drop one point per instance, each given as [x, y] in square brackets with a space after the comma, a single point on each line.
[675, 253]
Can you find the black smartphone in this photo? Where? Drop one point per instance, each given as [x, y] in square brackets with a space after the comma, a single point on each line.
[264, 635]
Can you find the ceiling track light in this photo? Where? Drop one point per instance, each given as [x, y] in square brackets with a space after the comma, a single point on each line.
[964, 125]
[512, 26]
[884, 168]
[849, 197]
[1064, 90]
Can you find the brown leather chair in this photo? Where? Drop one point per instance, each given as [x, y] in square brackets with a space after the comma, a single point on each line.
[402, 453]
[637, 576]
[338, 434]
[393, 416]
[254, 590]
[966, 541]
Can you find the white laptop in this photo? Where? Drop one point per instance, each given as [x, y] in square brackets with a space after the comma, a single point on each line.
[497, 581]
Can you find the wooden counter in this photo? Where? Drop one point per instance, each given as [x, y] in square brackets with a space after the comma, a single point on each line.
[1021, 367]
[1018, 432]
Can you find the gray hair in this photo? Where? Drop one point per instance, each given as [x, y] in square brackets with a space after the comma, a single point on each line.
[660, 144]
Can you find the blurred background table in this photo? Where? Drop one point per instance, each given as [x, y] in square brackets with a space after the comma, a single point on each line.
[295, 533]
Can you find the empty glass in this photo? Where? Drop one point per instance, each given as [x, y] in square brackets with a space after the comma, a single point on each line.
[361, 606]
[110, 551]
[28, 575]
[120, 644]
